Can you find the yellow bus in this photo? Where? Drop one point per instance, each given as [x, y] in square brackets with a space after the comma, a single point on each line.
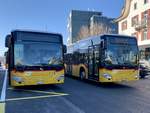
[105, 58]
[34, 58]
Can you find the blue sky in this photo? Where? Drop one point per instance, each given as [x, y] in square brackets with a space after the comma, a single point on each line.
[48, 15]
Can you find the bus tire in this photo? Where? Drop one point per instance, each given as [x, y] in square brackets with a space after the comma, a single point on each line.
[82, 74]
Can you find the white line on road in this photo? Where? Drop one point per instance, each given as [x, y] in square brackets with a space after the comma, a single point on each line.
[35, 97]
[3, 93]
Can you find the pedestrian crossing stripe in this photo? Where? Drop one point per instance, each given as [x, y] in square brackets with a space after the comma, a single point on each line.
[49, 94]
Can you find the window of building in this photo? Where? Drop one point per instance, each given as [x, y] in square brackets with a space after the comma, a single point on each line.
[144, 18]
[124, 25]
[145, 34]
[134, 20]
[145, 1]
[135, 6]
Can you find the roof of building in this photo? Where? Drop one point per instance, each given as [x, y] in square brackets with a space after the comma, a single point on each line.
[125, 11]
[84, 11]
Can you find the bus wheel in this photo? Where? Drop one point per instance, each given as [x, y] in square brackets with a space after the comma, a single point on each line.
[82, 75]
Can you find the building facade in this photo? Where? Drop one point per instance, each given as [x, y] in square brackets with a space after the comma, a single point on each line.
[103, 24]
[76, 20]
[135, 21]
[87, 19]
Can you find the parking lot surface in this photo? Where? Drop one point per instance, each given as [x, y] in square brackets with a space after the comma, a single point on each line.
[75, 96]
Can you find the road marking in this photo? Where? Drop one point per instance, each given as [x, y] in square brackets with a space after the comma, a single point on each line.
[35, 97]
[2, 107]
[54, 94]
[50, 94]
[3, 94]
[38, 91]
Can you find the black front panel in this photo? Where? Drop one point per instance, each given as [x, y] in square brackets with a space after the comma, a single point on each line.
[35, 36]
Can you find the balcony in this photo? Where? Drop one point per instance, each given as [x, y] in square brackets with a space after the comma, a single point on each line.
[142, 25]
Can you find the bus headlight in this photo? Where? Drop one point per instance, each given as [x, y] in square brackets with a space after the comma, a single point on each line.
[136, 76]
[107, 76]
[17, 79]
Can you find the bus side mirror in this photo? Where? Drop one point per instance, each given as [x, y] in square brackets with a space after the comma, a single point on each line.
[102, 44]
[64, 48]
[7, 40]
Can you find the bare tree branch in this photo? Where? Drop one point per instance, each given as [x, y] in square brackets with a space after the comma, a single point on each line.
[95, 29]
[98, 29]
[84, 32]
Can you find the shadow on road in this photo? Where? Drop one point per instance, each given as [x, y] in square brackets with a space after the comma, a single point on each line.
[81, 82]
[39, 87]
[109, 85]
[104, 85]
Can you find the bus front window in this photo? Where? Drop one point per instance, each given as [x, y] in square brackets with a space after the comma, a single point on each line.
[37, 54]
[122, 55]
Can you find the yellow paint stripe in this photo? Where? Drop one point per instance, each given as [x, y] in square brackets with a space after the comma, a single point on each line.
[2, 107]
[35, 97]
[38, 91]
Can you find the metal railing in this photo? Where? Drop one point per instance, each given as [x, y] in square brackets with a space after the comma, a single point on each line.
[143, 24]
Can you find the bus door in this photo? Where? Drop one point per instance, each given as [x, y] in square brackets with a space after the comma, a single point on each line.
[68, 61]
[93, 62]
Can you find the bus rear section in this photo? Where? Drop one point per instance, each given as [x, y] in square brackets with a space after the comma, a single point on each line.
[35, 58]
[106, 58]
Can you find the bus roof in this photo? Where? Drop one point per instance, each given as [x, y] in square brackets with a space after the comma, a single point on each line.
[14, 32]
[111, 35]
[35, 31]
[119, 35]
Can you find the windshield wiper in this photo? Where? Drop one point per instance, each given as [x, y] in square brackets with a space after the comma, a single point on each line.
[130, 65]
[25, 67]
[20, 67]
[41, 64]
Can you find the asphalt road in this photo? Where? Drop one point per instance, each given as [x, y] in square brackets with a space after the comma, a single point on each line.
[76, 96]
[2, 74]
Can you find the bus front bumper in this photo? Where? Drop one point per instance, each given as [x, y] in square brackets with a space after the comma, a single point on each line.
[119, 75]
[36, 78]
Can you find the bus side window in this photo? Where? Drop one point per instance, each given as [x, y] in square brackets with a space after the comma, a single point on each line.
[102, 44]
[75, 58]
[81, 58]
[11, 57]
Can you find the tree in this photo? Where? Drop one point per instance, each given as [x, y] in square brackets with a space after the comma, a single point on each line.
[94, 30]
[100, 28]
[83, 33]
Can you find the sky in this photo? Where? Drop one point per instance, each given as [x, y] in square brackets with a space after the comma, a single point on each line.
[48, 15]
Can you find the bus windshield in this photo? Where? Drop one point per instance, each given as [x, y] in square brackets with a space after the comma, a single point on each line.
[37, 54]
[122, 54]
